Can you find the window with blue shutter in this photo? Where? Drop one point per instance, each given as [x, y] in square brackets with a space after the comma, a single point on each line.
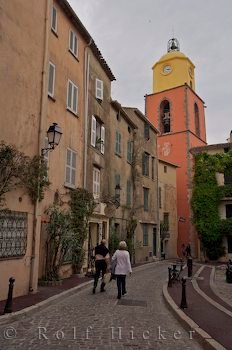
[145, 198]
[129, 151]
[118, 143]
[145, 234]
[145, 163]
[146, 131]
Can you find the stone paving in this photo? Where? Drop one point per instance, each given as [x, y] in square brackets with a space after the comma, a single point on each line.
[140, 320]
[223, 288]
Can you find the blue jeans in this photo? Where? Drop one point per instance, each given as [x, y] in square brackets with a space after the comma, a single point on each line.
[121, 284]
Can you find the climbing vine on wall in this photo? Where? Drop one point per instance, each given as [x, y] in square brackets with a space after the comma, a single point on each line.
[17, 169]
[206, 198]
[82, 205]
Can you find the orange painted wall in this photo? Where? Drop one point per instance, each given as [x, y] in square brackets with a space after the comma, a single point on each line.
[175, 146]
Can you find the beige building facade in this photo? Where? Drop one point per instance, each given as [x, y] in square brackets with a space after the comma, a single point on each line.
[134, 168]
[167, 198]
[97, 143]
[22, 64]
[44, 81]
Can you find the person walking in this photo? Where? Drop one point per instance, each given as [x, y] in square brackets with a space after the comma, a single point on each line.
[123, 267]
[188, 251]
[101, 263]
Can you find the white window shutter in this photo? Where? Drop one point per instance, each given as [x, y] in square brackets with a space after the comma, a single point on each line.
[93, 131]
[69, 95]
[71, 40]
[51, 79]
[75, 98]
[75, 45]
[102, 139]
[54, 19]
[99, 89]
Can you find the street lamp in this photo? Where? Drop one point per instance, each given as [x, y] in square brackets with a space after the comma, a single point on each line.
[54, 134]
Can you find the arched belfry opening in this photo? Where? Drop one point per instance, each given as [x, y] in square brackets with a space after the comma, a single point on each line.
[197, 119]
[173, 45]
[165, 124]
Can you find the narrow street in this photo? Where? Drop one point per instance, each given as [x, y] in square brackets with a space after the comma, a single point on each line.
[140, 320]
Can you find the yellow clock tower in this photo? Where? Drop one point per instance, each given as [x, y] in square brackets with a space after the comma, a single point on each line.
[173, 69]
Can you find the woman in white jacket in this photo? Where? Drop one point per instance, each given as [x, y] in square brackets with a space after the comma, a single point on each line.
[123, 267]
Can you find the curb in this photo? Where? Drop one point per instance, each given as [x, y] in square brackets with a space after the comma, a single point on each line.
[211, 301]
[14, 316]
[214, 288]
[203, 337]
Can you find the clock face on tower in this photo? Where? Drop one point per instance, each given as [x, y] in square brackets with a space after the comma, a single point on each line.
[167, 69]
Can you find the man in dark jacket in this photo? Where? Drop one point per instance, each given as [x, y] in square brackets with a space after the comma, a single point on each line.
[101, 262]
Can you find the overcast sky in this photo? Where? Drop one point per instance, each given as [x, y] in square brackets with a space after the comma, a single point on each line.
[133, 34]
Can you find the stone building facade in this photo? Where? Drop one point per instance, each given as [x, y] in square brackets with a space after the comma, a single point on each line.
[134, 168]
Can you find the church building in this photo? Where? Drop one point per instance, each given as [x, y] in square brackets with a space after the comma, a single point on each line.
[177, 111]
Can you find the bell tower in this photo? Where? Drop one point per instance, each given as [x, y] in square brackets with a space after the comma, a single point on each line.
[178, 112]
[173, 69]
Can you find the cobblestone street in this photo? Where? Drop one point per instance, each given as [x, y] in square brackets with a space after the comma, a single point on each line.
[140, 320]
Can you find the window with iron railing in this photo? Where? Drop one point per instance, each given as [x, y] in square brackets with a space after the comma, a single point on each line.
[13, 234]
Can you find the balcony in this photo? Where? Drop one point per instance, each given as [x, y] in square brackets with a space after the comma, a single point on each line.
[164, 230]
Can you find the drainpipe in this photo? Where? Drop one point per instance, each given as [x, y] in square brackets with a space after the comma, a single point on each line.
[86, 107]
[34, 263]
[157, 201]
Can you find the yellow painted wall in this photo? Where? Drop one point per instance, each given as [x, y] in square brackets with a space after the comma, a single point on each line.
[173, 69]
[21, 63]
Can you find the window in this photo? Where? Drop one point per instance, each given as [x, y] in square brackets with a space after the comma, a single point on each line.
[153, 168]
[197, 119]
[145, 198]
[51, 79]
[165, 169]
[165, 117]
[166, 222]
[98, 134]
[70, 169]
[13, 234]
[160, 198]
[54, 19]
[73, 44]
[118, 143]
[229, 244]
[145, 164]
[96, 182]
[227, 177]
[228, 210]
[129, 151]
[72, 97]
[146, 131]
[128, 192]
[145, 234]
[99, 89]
